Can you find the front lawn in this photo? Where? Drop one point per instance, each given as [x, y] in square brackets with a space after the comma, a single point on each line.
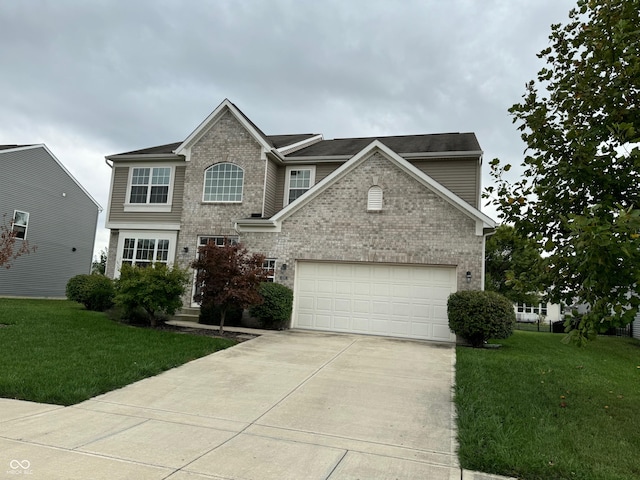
[54, 351]
[539, 409]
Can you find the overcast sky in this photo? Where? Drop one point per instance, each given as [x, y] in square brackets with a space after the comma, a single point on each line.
[98, 77]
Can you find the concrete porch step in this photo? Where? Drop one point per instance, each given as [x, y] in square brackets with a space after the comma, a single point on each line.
[187, 314]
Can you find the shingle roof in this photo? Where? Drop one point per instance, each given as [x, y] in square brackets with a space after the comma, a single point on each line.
[277, 141]
[439, 142]
[160, 149]
[8, 147]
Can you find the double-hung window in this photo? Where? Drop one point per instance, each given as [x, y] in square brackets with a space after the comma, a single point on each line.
[19, 224]
[223, 183]
[150, 185]
[298, 181]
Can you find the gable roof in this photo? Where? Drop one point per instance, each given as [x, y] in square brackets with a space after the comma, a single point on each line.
[482, 220]
[6, 149]
[278, 141]
[213, 117]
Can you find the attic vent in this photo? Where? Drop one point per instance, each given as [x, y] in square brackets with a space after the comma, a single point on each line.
[374, 201]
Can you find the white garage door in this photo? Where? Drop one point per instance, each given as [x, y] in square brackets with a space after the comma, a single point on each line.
[395, 300]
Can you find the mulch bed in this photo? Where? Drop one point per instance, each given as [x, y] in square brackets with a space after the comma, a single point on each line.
[206, 332]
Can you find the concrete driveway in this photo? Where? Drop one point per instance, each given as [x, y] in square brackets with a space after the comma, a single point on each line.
[290, 405]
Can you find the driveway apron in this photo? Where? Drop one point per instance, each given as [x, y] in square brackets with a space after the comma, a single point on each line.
[286, 405]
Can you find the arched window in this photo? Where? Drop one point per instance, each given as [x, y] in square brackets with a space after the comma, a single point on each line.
[223, 183]
[374, 200]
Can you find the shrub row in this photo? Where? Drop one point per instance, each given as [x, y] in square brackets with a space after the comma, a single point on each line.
[155, 292]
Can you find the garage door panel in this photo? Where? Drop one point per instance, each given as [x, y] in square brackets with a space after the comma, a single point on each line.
[380, 308]
[441, 332]
[324, 304]
[361, 306]
[397, 300]
[342, 305]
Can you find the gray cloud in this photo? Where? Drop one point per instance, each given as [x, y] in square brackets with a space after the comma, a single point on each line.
[95, 78]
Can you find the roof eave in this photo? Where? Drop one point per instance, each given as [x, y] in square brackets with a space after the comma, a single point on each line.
[145, 156]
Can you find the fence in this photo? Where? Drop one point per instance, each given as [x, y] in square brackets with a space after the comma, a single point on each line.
[558, 327]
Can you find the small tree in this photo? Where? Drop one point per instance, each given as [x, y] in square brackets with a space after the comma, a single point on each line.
[157, 289]
[228, 276]
[8, 250]
[100, 266]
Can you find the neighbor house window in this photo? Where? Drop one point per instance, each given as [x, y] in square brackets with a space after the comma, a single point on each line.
[374, 199]
[299, 180]
[19, 224]
[150, 185]
[269, 266]
[142, 252]
[217, 240]
[223, 183]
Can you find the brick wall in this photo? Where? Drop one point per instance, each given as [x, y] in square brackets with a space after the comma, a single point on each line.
[415, 226]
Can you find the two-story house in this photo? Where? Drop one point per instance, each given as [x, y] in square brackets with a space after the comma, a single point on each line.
[372, 234]
[44, 205]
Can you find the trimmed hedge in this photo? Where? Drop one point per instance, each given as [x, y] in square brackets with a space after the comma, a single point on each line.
[275, 312]
[478, 316]
[96, 292]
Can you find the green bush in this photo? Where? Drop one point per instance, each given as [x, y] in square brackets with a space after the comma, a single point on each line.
[275, 312]
[157, 289]
[210, 315]
[478, 316]
[95, 292]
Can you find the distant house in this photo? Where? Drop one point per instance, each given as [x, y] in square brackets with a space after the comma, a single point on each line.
[543, 311]
[45, 205]
[372, 234]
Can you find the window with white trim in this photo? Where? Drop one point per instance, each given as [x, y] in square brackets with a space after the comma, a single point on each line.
[217, 240]
[298, 181]
[269, 266]
[374, 199]
[149, 185]
[19, 224]
[142, 252]
[223, 183]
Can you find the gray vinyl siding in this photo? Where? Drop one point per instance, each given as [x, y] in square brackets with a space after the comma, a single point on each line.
[62, 217]
[460, 175]
[322, 170]
[119, 193]
[270, 194]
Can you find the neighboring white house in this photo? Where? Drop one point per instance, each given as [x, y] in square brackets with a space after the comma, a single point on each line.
[635, 327]
[547, 312]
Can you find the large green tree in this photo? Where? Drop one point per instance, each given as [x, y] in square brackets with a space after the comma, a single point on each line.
[512, 266]
[580, 192]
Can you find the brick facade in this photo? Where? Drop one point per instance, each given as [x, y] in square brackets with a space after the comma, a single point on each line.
[415, 226]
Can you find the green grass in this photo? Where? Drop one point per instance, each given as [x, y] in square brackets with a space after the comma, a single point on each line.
[54, 351]
[539, 409]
